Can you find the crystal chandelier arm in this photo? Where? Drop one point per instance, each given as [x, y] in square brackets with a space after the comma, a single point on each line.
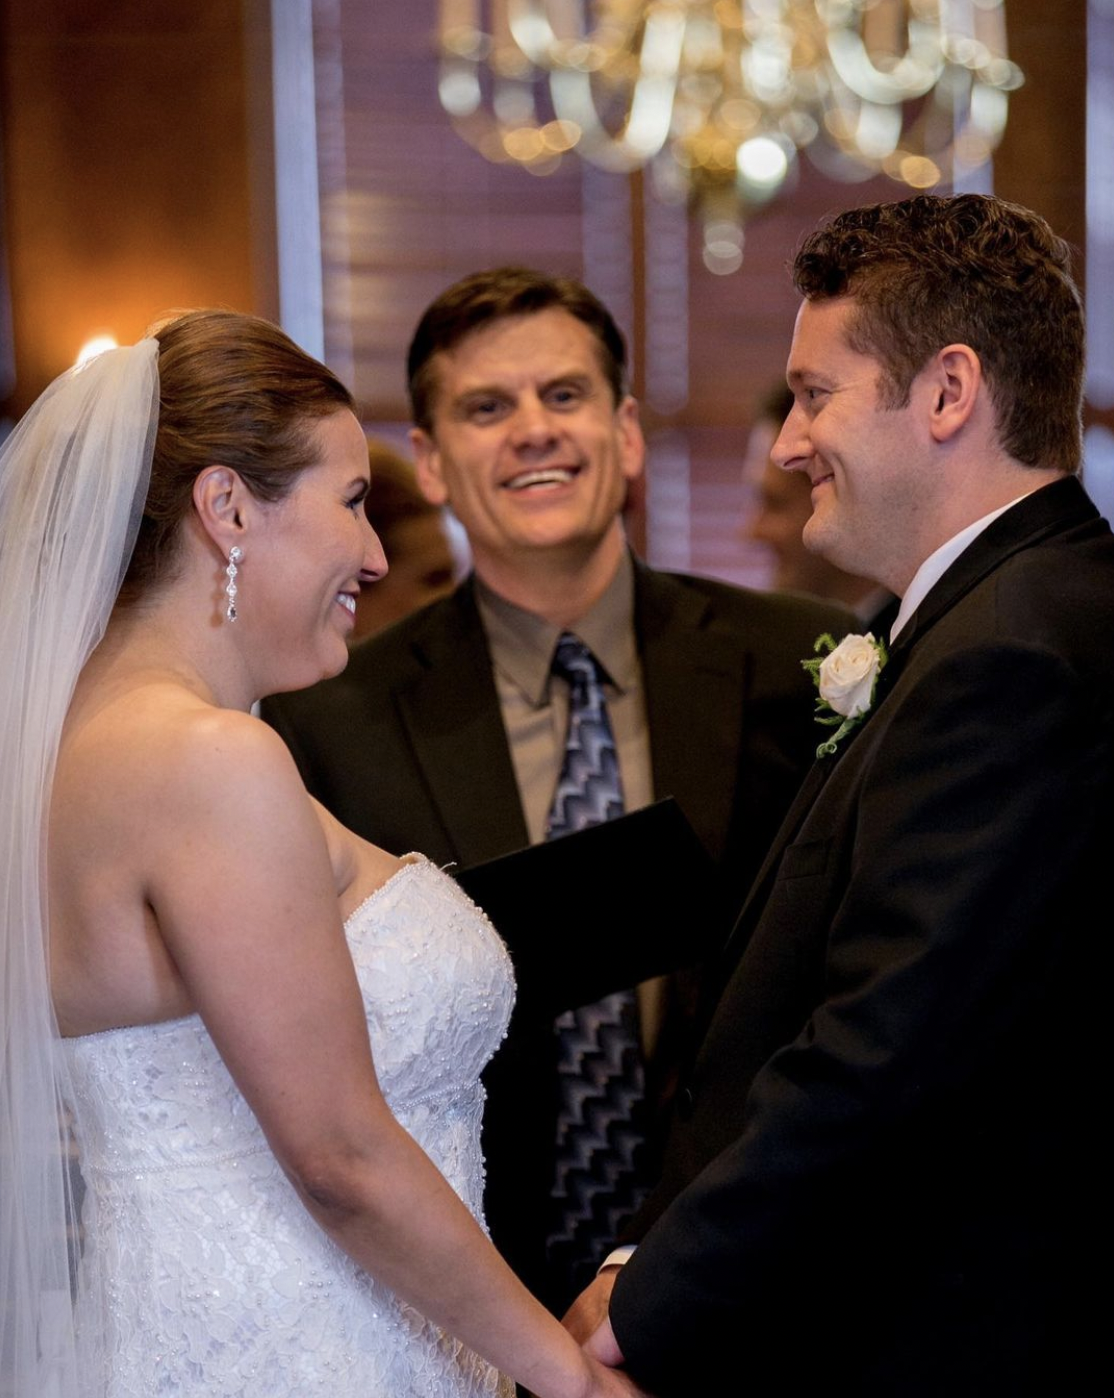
[649, 111]
[905, 77]
[507, 124]
[529, 23]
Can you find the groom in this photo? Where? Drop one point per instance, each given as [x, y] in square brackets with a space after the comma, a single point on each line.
[880, 1180]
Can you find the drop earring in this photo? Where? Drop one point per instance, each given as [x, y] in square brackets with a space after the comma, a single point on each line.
[234, 556]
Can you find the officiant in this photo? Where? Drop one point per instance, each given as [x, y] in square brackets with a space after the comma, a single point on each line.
[563, 683]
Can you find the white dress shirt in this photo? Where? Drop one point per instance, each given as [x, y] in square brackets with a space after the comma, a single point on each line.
[937, 564]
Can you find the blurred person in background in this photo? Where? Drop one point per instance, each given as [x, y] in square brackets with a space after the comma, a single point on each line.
[426, 551]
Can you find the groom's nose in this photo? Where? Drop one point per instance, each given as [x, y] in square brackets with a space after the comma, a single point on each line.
[793, 447]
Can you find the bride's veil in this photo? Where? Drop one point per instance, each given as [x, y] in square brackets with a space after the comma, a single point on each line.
[73, 479]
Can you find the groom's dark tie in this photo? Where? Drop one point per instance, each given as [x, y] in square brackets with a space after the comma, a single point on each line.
[600, 1076]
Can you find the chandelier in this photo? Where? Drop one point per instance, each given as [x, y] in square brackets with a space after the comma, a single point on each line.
[717, 98]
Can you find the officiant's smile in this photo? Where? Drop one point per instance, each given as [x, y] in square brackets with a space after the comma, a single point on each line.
[527, 440]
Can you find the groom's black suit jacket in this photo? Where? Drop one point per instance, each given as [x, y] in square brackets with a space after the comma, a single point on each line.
[407, 748]
[879, 1182]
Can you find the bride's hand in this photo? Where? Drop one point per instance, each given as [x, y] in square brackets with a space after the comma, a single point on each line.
[614, 1383]
[610, 1383]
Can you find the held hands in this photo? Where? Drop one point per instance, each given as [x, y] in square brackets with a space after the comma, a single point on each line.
[588, 1324]
[589, 1311]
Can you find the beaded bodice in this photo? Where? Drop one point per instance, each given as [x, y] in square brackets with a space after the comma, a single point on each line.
[216, 1278]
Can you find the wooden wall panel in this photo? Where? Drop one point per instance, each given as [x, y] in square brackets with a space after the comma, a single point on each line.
[125, 170]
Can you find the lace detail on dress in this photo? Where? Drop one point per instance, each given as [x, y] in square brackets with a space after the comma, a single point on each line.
[216, 1279]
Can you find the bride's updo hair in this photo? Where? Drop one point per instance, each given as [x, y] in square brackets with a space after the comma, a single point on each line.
[233, 391]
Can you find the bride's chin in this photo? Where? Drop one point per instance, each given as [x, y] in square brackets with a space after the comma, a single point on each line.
[337, 669]
[312, 672]
[333, 666]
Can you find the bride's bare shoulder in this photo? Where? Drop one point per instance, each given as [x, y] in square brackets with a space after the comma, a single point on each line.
[158, 740]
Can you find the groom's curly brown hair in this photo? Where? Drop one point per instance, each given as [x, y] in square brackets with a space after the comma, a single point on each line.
[968, 269]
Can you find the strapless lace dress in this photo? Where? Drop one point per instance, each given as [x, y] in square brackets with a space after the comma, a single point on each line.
[215, 1279]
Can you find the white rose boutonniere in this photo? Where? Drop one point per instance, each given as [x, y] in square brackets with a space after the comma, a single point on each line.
[846, 677]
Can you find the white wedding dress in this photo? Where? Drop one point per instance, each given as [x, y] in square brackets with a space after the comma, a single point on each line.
[217, 1281]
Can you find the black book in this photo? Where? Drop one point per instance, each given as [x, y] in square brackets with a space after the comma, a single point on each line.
[604, 908]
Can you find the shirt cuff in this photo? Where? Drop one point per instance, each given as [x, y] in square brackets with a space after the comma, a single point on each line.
[618, 1257]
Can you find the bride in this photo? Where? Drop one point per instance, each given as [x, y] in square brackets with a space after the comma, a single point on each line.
[265, 1035]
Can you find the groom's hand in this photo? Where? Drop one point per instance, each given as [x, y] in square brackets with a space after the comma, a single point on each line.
[603, 1345]
[589, 1311]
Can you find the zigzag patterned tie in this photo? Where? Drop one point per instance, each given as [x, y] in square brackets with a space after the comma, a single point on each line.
[600, 1075]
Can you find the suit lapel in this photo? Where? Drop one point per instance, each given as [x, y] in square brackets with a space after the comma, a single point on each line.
[451, 715]
[811, 787]
[1053, 509]
[682, 659]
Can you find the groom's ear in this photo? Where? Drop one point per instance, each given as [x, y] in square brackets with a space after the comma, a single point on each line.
[955, 379]
[223, 506]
